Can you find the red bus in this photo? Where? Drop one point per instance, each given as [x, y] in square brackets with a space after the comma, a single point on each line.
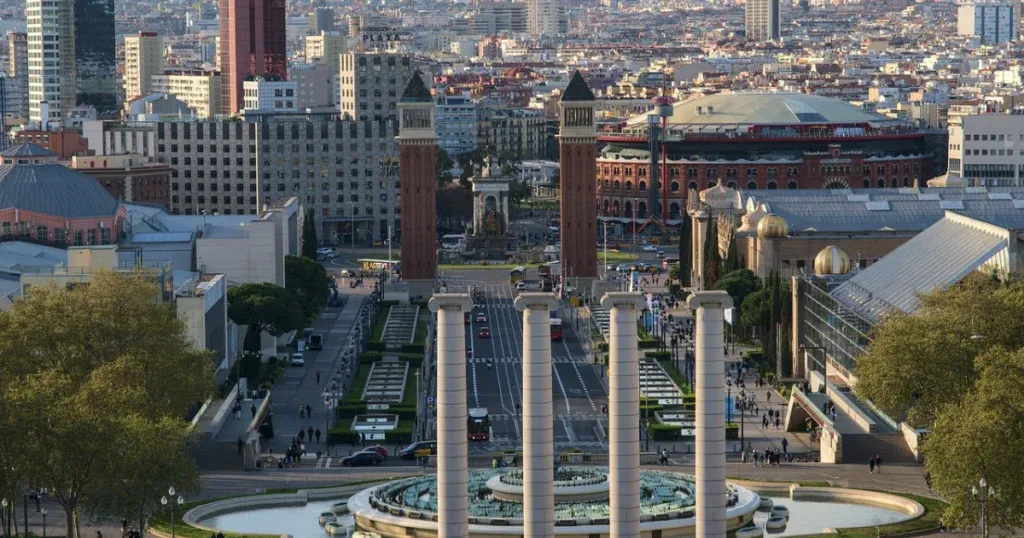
[478, 425]
[556, 329]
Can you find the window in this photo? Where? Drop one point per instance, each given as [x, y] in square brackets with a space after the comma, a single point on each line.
[92, 236]
[60, 236]
[78, 233]
[42, 233]
[105, 236]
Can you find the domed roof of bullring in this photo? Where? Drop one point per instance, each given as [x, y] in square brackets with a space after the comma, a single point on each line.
[31, 179]
[764, 108]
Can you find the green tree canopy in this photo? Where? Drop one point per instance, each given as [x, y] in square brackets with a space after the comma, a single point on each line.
[712, 257]
[519, 191]
[443, 165]
[81, 368]
[918, 363]
[978, 436]
[739, 285]
[309, 237]
[307, 280]
[685, 251]
[263, 306]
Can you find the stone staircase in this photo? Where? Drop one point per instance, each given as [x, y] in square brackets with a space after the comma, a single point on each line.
[211, 455]
[891, 447]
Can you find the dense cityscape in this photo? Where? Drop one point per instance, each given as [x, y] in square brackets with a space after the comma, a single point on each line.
[716, 269]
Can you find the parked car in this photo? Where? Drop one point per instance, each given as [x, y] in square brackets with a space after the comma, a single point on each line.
[298, 359]
[650, 248]
[362, 458]
[419, 449]
[378, 449]
[485, 332]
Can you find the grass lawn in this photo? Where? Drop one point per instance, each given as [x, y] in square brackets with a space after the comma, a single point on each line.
[615, 257]
[481, 267]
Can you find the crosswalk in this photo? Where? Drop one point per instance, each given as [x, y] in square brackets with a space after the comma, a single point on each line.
[518, 360]
[557, 417]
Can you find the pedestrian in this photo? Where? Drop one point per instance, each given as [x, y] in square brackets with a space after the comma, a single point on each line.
[785, 446]
[302, 411]
[309, 411]
[769, 397]
[318, 435]
[253, 409]
[309, 434]
[318, 377]
[302, 434]
[878, 464]
[241, 444]
[777, 422]
[871, 465]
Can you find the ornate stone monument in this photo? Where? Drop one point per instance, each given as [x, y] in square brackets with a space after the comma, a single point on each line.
[490, 238]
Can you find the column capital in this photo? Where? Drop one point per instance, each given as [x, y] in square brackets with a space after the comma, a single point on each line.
[614, 299]
[450, 300]
[709, 299]
[546, 301]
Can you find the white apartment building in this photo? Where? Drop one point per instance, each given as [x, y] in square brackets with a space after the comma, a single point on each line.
[264, 95]
[51, 60]
[326, 48]
[372, 81]
[455, 123]
[546, 17]
[988, 149]
[143, 58]
[763, 20]
[991, 21]
[17, 84]
[200, 89]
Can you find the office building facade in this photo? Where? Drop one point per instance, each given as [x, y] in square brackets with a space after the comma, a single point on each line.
[763, 20]
[17, 71]
[143, 58]
[263, 95]
[326, 48]
[200, 89]
[371, 82]
[546, 18]
[51, 60]
[455, 124]
[252, 43]
[991, 21]
[95, 61]
[500, 17]
[987, 150]
[321, 20]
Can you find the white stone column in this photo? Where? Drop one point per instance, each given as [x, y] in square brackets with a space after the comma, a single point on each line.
[538, 435]
[623, 412]
[452, 454]
[710, 390]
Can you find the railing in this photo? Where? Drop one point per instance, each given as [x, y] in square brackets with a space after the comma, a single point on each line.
[755, 136]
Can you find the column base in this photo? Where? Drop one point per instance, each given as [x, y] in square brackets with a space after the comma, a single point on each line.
[420, 288]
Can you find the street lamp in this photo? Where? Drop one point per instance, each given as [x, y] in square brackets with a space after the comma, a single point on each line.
[43, 511]
[982, 494]
[173, 503]
[327, 412]
[6, 519]
[728, 401]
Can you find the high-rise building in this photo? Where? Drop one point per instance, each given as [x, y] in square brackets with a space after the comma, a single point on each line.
[455, 122]
[267, 94]
[326, 48]
[321, 20]
[991, 21]
[143, 58]
[252, 43]
[372, 81]
[95, 62]
[764, 22]
[500, 17]
[200, 89]
[51, 78]
[546, 17]
[17, 84]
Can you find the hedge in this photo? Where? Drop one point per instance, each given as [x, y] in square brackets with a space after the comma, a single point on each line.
[369, 357]
[342, 435]
[376, 345]
[602, 346]
[664, 432]
[659, 355]
[648, 343]
[413, 348]
[732, 431]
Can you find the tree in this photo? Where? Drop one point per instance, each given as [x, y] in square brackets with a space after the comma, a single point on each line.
[78, 363]
[685, 251]
[263, 306]
[454, 208]
[732, 259]
[153, 455]
[712, 257]
[774, 323]
[917, 364]
[307, 280]
[519, 191]
[974, 438]
[443, 165]
[309, 239]
[739, 285]
[556, 179]
[511, 165]
[471, 163]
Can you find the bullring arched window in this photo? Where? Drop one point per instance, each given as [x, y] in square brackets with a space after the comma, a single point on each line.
[642, 186]
[674, 186]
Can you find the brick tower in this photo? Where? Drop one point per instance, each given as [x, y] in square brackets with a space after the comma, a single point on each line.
[417, 143]
[577, 144]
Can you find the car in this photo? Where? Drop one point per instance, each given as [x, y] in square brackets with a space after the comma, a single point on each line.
[661, 254]
[345, 273]
[329, 252]
[622, 268]
[485, 332]
[298, 359]
[650, 248]
[481, 317]
[362, 458]
[378, 449]
[520, 286]
[419, 449]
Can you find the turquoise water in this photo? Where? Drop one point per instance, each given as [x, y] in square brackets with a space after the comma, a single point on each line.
[808, 517]
[299, 521]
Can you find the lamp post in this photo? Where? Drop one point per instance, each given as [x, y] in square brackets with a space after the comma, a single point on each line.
[5, 517]
[174, 503]
[983, 493]
[728, 401]
[327, 411]
[43, 511]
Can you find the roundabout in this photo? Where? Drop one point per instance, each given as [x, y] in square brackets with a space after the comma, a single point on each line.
[409, 506]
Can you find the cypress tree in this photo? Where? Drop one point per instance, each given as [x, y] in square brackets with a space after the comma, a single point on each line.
[732, 258]
[712, 258]
[309, 239]
[685, 251]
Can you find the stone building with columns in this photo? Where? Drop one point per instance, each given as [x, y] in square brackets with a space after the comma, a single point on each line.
[784, 230]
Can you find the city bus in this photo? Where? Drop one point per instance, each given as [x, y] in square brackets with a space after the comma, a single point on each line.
[556, 329]
[668, 263]
[478, 424]
[517, 274]
[453, 241]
